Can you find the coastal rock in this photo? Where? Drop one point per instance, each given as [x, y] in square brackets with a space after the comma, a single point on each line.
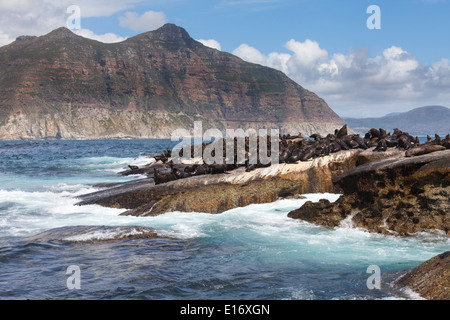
[372, 181]
[220, 192]
[395, 196]
[431, 279]
[322, 213]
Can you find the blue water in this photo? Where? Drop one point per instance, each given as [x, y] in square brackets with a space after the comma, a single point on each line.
[255, 252]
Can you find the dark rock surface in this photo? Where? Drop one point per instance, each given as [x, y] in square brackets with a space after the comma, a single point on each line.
[396, 196]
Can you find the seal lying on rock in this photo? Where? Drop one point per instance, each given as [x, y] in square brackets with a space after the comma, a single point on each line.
[162, 177]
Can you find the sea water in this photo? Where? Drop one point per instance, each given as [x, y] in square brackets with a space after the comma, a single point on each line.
[254, 252]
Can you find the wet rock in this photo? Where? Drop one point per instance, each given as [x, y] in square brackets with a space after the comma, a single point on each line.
[323, 213]
[431, 279]
[395, 196]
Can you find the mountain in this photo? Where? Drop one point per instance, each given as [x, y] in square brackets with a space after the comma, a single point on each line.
[418, 122]
[61, 85]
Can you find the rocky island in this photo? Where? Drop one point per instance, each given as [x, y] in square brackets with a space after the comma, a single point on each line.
[397, 190]
[395, 186]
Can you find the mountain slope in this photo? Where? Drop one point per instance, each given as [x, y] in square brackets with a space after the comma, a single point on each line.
[64, 86]
[420, 121]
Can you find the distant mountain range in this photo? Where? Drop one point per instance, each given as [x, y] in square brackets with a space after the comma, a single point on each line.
[63, 86]
[417, 122]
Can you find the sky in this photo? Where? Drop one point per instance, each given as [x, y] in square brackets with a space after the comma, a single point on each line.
[363, 63]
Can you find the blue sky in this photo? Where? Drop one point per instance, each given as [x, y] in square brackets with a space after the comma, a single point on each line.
[418, 26]
[324, 45]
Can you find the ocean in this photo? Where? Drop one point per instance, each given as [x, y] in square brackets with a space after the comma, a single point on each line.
[250, 253]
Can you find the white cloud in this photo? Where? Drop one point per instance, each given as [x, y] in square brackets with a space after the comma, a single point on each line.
[5, 39]
[250, 54]
[31, 17]
[106, 38]
[211, 43]
[355, 84]
[306, 53]
[148, 21]
[16, 5]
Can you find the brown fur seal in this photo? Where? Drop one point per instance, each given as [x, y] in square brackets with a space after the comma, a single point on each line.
[163, 177]
[382, 146]
[342, 132]
[374, 133]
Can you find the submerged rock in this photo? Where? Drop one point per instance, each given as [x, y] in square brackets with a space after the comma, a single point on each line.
[93, 234]
[431, 279]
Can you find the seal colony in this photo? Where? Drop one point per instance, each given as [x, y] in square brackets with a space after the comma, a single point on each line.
[389, 183]
[292, 149]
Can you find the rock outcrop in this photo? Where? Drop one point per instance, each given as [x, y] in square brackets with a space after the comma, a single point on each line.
[63, 86]
[431, 279]
[220, 192]
[397, 195]
[380, 186]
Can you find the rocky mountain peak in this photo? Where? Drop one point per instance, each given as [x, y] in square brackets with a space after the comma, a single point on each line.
[170, 34]
[170, 28]
[61, 33]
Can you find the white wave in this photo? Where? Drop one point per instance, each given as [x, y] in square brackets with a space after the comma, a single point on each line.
[71, 190]
[102, 160]
[30, 212]
[122, 165]
[347, 223]
[108, 234]
[262, 225]
[142, 161]
[114, 164]
[268, 225]
[261, 220]
[410, 294]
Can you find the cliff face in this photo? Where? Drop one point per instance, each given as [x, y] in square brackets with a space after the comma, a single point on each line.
[64, 86]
